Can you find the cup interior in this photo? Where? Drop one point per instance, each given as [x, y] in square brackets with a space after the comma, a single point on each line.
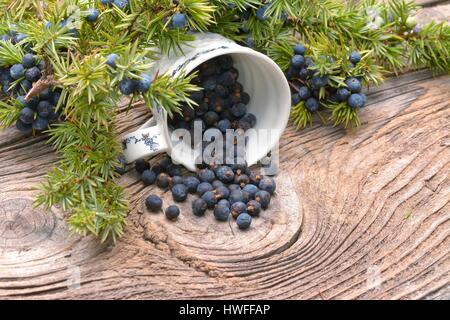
[270, 102]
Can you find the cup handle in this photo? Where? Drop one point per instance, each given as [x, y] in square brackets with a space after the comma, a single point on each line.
[145, 142]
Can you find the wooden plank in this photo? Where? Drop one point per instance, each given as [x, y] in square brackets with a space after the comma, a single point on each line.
[438, 13]
[359, 214]
[430, 3]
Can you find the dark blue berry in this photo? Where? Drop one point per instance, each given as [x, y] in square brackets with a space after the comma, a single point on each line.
[148, 177]
[32, 103]
[202, 109]
[121, 4]
[144, 84]
[312, 104]
[354, 85]
[45, 94]
[238, 208]
[177, 180]
[17, 71]
[244, 221]
[33, 74]
[221, 213]
[141, 165]
[217, 183]
[43, 109]
[92, 15]
[298, 61]
[28, 60]
[199, 207]
[172, 212]
[239, 166]
[295, 99]
[191, 183]
[153, 203]
[245, 98]
[174, 170]
[26, 115]
[204, 187]
[63, 23]
[242, 180]
[318, 82]
[224, 202]
[356, 101]
[210, 198]
[179, 20]
[254, 178]
[222, 192]
[299, 49]
[21, 100]
[227, 79]
[238, 110]
[111, 60]
[267, 184]
[127, 86]
[263, 197]
[206, 175]
[41, 65]
[165, 163]
[364, 98]
[197, 96]
[253, 208]
[225, 174]
[23, 127]
[211, 118]
[249, 42]
[342, 94]
[224, 125]
[355, 57]
[163, 180]
[40, 124]
[25, 86]
[237, 196]
[55, 98]
[122, 167]
[188, 113]
[233, 186]
[261, 13]
[209, 84]
[304, 93]
[179, 192]
[250, 118]
[303, 73]
[52, 114]
[251, 190]
[157, 168]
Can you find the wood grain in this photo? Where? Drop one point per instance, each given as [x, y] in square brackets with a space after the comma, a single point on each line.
[359, 214]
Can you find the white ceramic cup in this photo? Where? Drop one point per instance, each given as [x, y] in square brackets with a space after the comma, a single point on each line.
[262, 79]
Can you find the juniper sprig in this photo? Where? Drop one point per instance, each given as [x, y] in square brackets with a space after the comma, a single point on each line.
[90, 53]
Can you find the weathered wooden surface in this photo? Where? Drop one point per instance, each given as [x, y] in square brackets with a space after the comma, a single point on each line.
[359, 214]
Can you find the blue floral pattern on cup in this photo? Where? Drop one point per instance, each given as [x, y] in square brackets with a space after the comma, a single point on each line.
[149, 141]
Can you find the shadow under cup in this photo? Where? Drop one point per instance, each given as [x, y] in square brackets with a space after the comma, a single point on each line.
[270, 101]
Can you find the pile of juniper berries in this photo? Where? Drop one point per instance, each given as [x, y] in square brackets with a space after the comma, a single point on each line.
[224, 183]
